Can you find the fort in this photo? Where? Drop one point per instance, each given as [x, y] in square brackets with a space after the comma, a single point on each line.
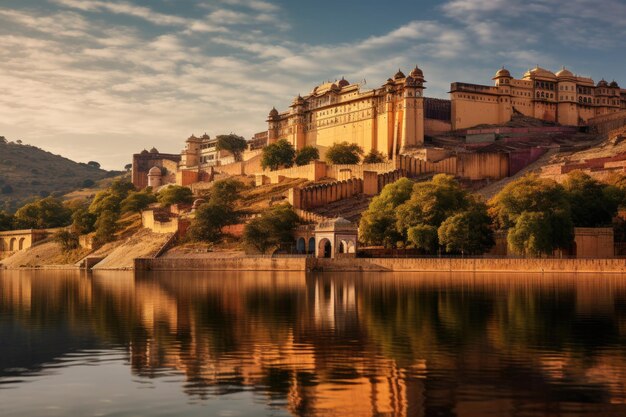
[469, 130]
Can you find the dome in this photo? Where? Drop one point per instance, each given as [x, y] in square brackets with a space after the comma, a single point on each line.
[564, 73]
[503, 72]
[205, 136]
[602, 83]
[343, 82]
[273, 112]
[614, 84]
[144, 152]
[154, 150]
[155, 171]
[417, 73]
[539, 72]
[399, 75]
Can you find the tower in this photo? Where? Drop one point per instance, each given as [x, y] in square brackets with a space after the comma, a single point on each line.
[413, 110]
[297, 110]
[273, 124]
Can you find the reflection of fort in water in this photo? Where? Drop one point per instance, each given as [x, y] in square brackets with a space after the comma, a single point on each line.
[350, 344]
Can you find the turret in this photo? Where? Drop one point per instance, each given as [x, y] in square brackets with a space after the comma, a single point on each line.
[272, 131]
[502, 77]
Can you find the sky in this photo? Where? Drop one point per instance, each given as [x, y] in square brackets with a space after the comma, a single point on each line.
[103, 79]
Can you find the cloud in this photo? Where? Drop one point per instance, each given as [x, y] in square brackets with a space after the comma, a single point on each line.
[125, 9]
[81, 80]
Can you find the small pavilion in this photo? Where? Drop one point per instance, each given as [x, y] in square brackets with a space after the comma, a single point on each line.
[336, 238]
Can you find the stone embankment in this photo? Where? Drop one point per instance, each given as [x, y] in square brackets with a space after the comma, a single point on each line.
[383, 264]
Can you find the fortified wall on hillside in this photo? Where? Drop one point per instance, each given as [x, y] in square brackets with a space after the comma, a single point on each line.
[398, 121]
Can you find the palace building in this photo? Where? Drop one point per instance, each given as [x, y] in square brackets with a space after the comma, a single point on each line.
[387, 119]
[400, 122]
[563, 98]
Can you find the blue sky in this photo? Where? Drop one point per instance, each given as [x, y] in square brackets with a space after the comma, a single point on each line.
[102, 79]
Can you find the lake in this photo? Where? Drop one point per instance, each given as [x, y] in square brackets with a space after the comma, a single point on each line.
[295, 344]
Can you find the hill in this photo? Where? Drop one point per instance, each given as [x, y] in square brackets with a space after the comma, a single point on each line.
[28, 172]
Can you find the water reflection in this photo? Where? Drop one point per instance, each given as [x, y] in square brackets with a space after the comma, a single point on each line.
[332, 345]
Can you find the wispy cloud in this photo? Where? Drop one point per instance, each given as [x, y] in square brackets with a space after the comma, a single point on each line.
[90, 75]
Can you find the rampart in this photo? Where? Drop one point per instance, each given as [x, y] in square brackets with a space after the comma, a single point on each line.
[606, 123]
[321, 194]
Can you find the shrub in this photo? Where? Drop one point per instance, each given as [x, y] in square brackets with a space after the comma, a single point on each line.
[136, 201]
[67, 240]
[233, 144]
[306, 155]
[175, 194]
[344, 153]
[88, 183]
[277, 155]
[273, 228]
[374, 157]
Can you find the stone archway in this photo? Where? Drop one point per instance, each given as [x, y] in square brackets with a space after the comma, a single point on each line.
[21, 243]
[343, 247]
[324, 249]
[12, 244]
[301, 245]
[311, 248]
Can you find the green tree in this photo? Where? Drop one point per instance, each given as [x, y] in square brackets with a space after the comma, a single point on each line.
[344, 153]
[94, 164]
[537, 213]
[106, 226]
[6, 221]
[374, 157]
[378, 222]
[431, 203]
[592, 203]
[467, 232]
[175, 194]
[128, 167]
[306, 155]
[7, 189]
[531, 235]
[210, 218]
[111, 198]
[233, 144]
[137, 201]
[529, 193]
[67, 240]
[83, 221]
[225, 191]
[423, 236]
[273, 228]
[45, 213]
[277, 155]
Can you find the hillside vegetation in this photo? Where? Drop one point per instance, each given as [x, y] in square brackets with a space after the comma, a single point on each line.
[28, 172]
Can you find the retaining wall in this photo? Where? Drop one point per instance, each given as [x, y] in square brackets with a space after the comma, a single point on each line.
[471, 265]
[384, 264]
[223, 264]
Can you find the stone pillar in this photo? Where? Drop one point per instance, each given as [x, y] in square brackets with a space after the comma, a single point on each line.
[295, 198]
